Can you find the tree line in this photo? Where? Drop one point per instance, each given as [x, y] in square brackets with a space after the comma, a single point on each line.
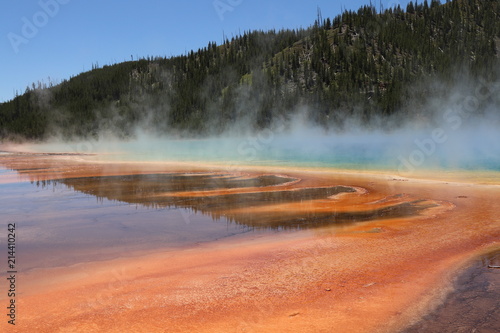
[361, 64]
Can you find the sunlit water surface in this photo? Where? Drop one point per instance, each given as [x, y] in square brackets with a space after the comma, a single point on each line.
[74, 219]
[400, 152]
[70, 220]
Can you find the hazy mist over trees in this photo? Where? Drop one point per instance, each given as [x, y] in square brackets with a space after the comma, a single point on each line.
[364, 65]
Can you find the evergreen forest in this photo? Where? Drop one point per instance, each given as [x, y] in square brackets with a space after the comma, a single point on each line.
[365, 64]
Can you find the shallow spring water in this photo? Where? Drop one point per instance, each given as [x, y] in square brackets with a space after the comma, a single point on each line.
[67, 220]
[474, 305]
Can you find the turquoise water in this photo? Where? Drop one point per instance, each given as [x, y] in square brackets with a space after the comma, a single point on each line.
[382, 154]
[402, 151]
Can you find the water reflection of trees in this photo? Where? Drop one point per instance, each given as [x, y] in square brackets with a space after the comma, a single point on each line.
[170, 191]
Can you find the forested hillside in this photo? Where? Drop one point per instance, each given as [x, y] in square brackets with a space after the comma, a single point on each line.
[361, 64]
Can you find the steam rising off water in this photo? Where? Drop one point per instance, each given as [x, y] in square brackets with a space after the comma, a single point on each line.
[403, 150]
[454, 128]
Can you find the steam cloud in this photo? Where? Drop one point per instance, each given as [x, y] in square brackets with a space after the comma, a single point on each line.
[455, 128]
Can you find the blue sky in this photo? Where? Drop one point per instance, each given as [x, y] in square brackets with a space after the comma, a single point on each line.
[60, 38]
